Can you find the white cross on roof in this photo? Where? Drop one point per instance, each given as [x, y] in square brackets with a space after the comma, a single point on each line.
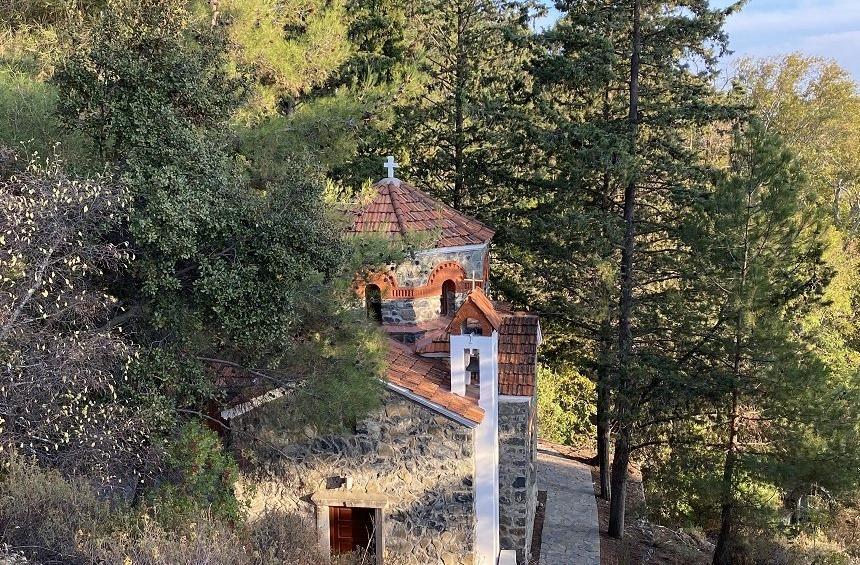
[390, 165]
[474, 280]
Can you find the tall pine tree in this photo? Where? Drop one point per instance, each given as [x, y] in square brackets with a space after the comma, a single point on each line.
[756, 250]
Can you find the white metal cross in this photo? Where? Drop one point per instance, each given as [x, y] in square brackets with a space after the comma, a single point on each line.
[474, 280]
[390, 165]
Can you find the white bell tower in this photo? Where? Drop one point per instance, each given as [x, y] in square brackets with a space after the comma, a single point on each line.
[486, 435]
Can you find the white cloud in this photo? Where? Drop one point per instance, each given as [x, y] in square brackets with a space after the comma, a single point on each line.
[805, 16]
[824, 28]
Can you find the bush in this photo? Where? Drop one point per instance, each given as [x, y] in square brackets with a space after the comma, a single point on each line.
[47, 518]
[566, 406]
[148, 543]
[200, 478]
[799, 550]
[277, 537]
[44, 515]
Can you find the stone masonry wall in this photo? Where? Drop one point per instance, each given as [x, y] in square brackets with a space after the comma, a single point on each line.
[517, 476]
[416, 273]
[419, 460]
[409, 273]
[410, 311]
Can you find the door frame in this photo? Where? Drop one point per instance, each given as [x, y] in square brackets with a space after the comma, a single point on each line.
[325, 499]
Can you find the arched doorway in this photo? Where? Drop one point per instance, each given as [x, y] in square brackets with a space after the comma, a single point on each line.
[448, 298]
[373, 302]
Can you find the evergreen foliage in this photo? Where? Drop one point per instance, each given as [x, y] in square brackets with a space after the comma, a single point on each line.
[692, 251]
[231, 267]
[566, 406]
[756, 255]
[456, 132]
[200, 479]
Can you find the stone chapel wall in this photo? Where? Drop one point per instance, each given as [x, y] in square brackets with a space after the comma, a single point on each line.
[517, 475]
[416, 272]
[419, 460]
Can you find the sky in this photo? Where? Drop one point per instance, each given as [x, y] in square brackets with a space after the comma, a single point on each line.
[825, 28]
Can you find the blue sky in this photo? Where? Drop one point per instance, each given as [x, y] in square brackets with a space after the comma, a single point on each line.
[826, 28]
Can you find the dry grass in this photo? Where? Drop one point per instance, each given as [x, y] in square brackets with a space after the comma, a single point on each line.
[49, 519]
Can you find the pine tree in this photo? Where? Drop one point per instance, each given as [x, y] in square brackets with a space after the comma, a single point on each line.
[623, 108]
[666, 101]
[569, 236]
[756, 251]
[455, 132]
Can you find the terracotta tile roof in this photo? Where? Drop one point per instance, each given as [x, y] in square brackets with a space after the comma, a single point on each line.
[428, 380]
[481, 300]
[399, 208]
[476, 305]
[433, 342]
[519, 336]
[518, 343]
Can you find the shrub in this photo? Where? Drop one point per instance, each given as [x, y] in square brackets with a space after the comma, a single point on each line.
[566, 406]
[42, 514]
[47, 518]
[278, 537]
[146, 542]
[200, 477]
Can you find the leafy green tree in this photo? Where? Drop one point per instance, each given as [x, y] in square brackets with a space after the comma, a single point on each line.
[233, 267]
[566, 406]
[813, 104]
[36, 38]
[325, 76]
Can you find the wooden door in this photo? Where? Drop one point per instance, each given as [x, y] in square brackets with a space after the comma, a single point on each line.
[349, 528]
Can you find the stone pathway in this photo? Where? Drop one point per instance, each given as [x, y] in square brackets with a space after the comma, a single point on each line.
[571, 534]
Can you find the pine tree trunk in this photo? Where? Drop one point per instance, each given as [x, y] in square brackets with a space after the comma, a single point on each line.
[603, 427]
[621, 459]
[618, 502]
[724, 549]
[459, 93]
[603, 422]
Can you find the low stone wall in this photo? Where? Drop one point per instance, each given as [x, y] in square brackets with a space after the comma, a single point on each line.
[517, 475]
[419, 461]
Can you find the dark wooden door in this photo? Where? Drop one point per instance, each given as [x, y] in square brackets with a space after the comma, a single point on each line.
[349, 528]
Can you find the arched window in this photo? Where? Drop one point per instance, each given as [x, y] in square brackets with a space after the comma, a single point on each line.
[473, 368]
[373, 302]
[447, 298]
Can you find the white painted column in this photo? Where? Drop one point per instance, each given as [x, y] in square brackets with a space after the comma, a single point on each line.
[459, 360]
[486, 441]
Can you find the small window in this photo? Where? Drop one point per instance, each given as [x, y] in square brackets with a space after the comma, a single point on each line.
[472, 326]
[447, 298]
[373, 302]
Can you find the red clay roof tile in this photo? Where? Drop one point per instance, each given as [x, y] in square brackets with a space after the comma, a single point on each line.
[400, 208]
[429, 381]
[518, 339]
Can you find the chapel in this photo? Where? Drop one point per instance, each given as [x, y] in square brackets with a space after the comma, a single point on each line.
[444, 471]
